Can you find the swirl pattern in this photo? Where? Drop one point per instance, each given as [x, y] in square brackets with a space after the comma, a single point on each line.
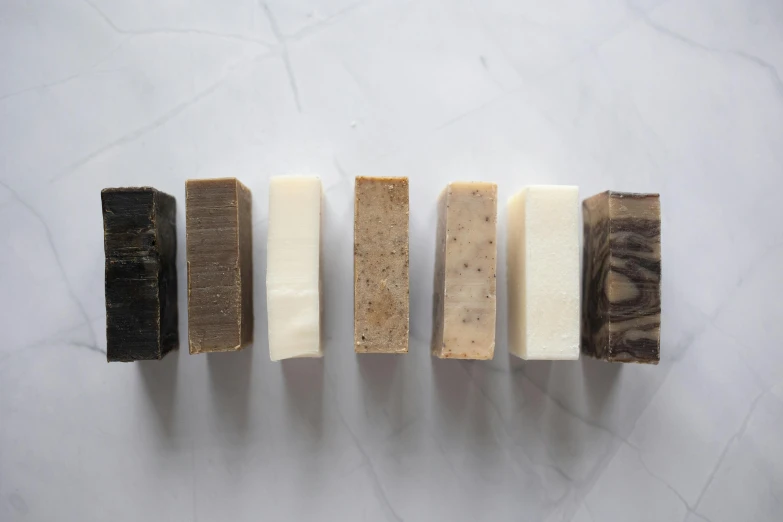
[621, 297]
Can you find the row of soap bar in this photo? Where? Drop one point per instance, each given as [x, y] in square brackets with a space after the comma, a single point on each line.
[616, 319]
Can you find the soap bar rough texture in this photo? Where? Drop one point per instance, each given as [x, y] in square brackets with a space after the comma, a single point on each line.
[380, 252]
[463, 316]
[543, 273]
[220, 265]
[621, 312]
[140, 244]
[293, 277]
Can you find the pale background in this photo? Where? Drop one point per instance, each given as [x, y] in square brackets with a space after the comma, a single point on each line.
[683, 97]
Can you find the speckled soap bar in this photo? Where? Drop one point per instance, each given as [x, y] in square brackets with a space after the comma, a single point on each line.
[463, 317]
[621, 309]
[140, 244]
[220, 265]
[380, 254]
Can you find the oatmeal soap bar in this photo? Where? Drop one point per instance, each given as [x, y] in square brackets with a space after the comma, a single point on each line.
[140, 244]
[380, 256]
[220, 265]
[621, 311]
[543, 273]
[463, 317]
[293, 276]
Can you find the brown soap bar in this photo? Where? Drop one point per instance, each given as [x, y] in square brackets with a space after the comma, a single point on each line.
[140, 244]
[463, 316]
[621, 307]
[380, 271]
[220, 265]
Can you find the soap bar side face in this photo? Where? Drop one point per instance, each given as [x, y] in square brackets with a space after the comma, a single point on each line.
[595, 269]
[216, 307]
[381, 281]
[141, 302]
[469, 266]
[294, 268]
[622, 289]
[515, 274]
[166, 226]
[439, 277]
[245, 220]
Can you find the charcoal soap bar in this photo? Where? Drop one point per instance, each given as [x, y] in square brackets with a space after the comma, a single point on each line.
[463, 315]
[220, 265]
[140, 244]
[380, 256]
[621, 309]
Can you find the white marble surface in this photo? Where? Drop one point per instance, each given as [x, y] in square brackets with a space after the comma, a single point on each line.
[683, 97]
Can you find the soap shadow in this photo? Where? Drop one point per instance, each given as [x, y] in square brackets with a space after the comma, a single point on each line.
[388, 394]
[538, 386]
[304, 384]
[559, 400]
[462, 417]
[229, 376]
[452, 386]
[160, 385]
[377, 376]
[599, 379]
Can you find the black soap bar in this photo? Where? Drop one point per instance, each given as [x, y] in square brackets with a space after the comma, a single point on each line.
[140, 243]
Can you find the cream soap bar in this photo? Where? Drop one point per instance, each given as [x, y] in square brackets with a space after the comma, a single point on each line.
[293, 277]
[543, 273]
[463, 317]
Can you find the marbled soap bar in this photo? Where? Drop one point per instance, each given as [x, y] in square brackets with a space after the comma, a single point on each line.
[463, 317]
[380, 256]
[220, 265]
[621, 310]
[543, 273]
[293, 273]
[140, 244]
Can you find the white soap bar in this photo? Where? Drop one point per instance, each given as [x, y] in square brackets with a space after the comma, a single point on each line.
[293, 277]
[543, 273]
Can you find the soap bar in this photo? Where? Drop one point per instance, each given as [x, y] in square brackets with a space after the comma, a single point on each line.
[140, 246]
[380, 256]
[543, 273]
[220, 265]
[621, 311]
[293, 276]
[463, 316]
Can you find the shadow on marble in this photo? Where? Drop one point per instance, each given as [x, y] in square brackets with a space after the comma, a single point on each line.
[160, 386]
[377, 377]
[564, 401]
[463, 407]
[599, 378]
[304, 383]
[229, 377]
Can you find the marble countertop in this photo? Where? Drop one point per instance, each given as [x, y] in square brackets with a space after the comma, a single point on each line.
[681, 97]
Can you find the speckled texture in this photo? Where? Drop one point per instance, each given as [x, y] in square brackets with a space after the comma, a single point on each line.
[463, 317]
[621, 310]
[220, 268]
[381, 284]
